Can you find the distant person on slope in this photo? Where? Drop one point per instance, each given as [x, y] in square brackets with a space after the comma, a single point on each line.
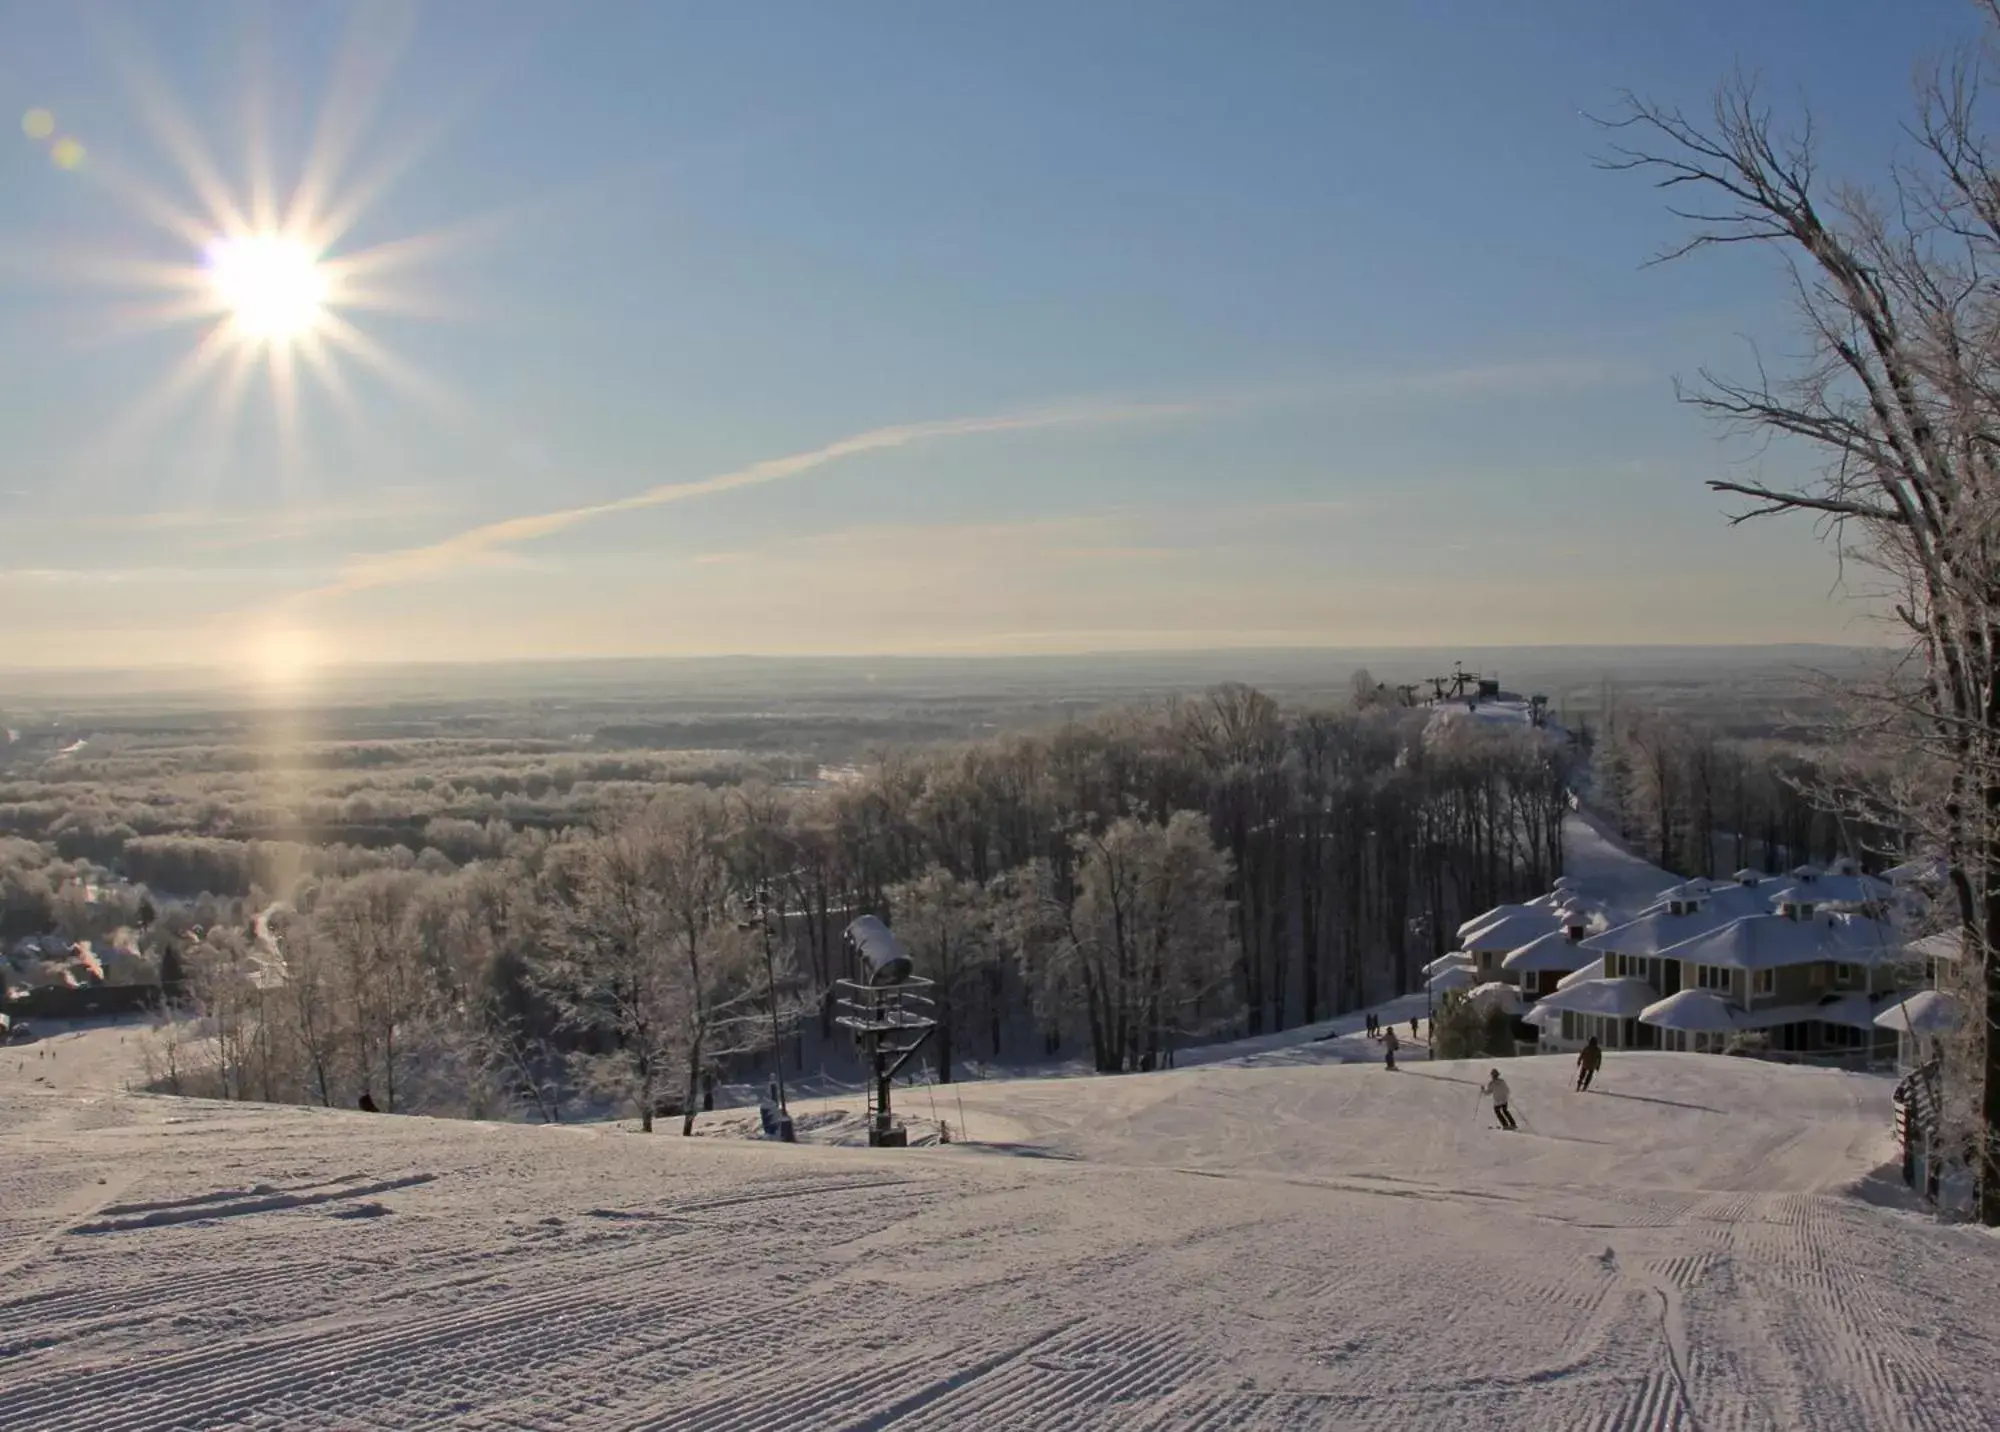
[1389, 1042]
[1496, 1088]
[1587, 1063]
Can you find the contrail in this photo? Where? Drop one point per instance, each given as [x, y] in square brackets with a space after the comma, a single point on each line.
[477, 544]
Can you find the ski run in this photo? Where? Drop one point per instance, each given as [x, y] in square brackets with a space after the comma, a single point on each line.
[1279, 1239]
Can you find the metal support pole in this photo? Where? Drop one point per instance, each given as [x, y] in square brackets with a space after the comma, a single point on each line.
[771, 988]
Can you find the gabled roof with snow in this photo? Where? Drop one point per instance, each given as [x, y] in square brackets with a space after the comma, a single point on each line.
[1928, 1011]
[1832, 890]
[1510, 932]
[1592, 971]
[1769, 942]
[1456, 960]
[1726, 898]
[1620, 998]
[1658, 929]
[1457, 977]
[1944, 945]
[1553, 951]
[1496, 914]
[1928, 871]
[1694, 1011]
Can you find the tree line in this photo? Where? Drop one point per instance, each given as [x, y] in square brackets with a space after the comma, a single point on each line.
[1109, 890]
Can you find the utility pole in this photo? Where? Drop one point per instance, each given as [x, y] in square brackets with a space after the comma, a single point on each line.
[771, 988]
[1420, 927]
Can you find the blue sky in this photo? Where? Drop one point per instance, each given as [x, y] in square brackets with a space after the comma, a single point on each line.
[1216, 323]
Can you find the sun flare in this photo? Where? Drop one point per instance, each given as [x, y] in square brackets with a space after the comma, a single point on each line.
[272, 288]
[281, 659]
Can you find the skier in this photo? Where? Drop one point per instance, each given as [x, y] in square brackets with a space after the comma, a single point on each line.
[1587, 1064]
[1413, 1026]
[1389, 1043]
[1496, 1088]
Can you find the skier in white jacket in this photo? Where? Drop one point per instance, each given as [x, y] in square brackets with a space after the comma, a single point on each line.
[1496, 1089]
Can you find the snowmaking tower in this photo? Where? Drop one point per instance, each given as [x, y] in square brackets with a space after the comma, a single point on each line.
[890, 1011]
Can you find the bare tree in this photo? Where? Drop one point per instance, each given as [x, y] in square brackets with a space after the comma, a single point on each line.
[1900, 398]
[726, 1006]
[1151, 933]
[948, 924]
[612, 970]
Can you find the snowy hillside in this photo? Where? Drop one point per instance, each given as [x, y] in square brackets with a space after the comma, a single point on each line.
[1293, 1246]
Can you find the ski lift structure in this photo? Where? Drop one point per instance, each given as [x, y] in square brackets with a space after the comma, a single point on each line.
[891, 1012]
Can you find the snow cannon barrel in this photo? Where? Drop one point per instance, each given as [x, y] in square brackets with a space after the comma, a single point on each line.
[880, 955]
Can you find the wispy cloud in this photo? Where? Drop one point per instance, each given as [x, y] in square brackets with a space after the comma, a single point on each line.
[485, 545]
[479, 545]
[1127, 532]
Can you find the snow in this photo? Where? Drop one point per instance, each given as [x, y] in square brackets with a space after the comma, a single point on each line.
[1928, 1011]
[1659, 930]
[1589, 974]
[1554, 951]
[1944, 945]
[1511, 931]
[1494, 916]
[1605, 869]
[1700, 1243]
[1496, 995]
[1620, 998]
[1834, 890]
[1768, 942]
[1696, 1011]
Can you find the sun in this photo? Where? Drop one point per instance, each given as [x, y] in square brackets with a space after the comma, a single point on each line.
[273, 289]
[281, 659]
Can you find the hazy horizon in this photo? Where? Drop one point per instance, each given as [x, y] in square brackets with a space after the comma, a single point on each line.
[1289, 671]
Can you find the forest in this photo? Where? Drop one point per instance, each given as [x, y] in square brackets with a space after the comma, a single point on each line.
[522, 931]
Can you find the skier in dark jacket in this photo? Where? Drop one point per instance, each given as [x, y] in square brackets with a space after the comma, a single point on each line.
[1389, 1042]
[1587, 1063]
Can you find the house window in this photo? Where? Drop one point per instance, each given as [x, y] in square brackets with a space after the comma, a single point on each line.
[1842, 974]
[1611, 967]
[1712, 977]
[1764, 982]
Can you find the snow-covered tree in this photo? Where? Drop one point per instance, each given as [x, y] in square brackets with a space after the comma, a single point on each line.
[947, 925]
[1898, 396]
[613, 971]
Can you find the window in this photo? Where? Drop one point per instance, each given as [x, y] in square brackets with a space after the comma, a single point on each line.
[1712, 977]
[1843, 974]
[1764, 982]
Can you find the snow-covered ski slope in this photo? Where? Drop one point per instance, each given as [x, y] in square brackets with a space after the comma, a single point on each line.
[1292, 1246]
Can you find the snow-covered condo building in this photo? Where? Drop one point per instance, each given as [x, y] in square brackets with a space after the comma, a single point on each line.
[1802, 963]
